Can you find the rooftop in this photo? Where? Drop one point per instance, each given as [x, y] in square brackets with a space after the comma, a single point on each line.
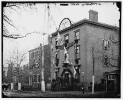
[89, 22]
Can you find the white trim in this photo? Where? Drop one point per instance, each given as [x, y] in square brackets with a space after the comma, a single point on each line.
[111, 77]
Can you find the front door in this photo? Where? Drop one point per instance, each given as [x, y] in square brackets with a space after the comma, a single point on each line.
[111, 83]
[66, 76]
[67, 79]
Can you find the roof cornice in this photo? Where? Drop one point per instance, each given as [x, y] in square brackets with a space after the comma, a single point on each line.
[86, 22]
[35, 49]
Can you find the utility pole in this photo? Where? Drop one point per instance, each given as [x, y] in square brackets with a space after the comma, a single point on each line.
[42, 70]
[93, 71]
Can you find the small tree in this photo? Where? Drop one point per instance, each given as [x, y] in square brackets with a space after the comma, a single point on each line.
[10, 73]
[16, 59]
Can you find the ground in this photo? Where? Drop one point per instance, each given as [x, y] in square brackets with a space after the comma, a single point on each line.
[66, 94]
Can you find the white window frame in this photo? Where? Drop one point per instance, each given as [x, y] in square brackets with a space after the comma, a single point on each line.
[77, 34]
[77, 51]
[66, 37]
[105, 44]
[111, 77]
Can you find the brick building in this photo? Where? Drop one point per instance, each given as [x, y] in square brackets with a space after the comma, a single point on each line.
[35, 67]
[79, 40]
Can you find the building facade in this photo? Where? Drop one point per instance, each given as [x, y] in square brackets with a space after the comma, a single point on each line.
[93, 49]
[35, 67]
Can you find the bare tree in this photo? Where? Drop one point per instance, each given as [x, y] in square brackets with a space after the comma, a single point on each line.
[17, 7]
[17, 58]
[111, 52]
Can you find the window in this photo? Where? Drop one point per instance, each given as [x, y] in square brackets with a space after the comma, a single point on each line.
[77, 51]
[56, 74]
[77, 34]
[38, 78]
[105, 61]
[66, 39]
[111, 77]
[56, 55]
[32, 55]
[34, 78]
[65, 57]
[36, 56]
[105, 44]
[37, 64]
[57, 59]
[56, 41]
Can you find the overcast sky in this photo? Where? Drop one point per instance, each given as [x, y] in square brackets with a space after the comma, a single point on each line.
[34, 19]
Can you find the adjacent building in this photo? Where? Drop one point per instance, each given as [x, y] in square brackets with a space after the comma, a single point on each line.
[35, 67]
[93, 49]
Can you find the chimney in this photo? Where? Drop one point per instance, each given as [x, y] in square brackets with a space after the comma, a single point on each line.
[93, 15]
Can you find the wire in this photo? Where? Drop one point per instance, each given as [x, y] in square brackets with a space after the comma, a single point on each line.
[59, 10]
[54, 22]
[16, 36]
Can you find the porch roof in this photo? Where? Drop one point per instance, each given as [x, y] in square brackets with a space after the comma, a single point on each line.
[113, 72]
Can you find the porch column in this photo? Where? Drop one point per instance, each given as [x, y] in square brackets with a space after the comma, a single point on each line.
[12, 86]
[19, 86]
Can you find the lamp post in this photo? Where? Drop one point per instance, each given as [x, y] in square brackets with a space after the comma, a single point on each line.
[83, 82]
